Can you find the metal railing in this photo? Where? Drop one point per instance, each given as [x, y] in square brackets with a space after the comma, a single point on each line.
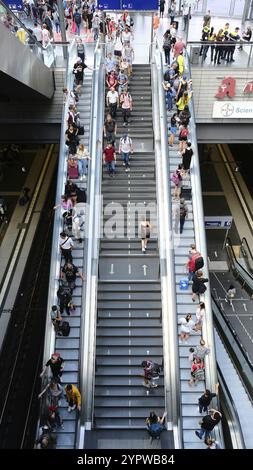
[171, 360]
[231, 414]
[201, 53]
[88, 332]
[239, 271]
[247, 253]
[13, 23]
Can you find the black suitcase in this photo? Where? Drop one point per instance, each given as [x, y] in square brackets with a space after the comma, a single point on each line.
[81, 195]
[186, 193]
[65, 328]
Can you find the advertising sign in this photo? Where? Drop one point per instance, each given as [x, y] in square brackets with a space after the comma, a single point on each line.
[15, 5]
[218, 221]
[233, 109]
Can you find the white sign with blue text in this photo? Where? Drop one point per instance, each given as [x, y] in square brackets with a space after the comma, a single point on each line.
[233, 109]
[218, 221]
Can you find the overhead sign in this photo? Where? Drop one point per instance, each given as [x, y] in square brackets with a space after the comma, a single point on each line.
[14, 5]
[233, 109]
[218, 221]
[128, 5]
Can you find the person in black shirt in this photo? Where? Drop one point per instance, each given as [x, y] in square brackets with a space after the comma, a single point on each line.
[56, 364]
[187, 154]
[198, 284]
[208, 424]
[110, 129]
[206, 398]
[71, 271]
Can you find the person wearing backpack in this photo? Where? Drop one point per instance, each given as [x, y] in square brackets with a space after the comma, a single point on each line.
[197, 371]
[198, 284]
[184, 101]
[151, 373]
[187, 154]
[125, 148]
[182, 138]
[167, 46]
[195, 261]
[155, 424]
[176, 178]
[181, 213]
[77, 17]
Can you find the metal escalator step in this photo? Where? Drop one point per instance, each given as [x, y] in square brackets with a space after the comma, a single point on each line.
[110, 361]
[124, 381]
[124, 323]
[128, 402]
[123, 350]
[124, 332]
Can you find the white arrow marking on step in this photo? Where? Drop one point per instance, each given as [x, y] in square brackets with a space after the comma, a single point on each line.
[221, 306]
[245, 308]
[148, 352]
[129, 269]
[144, 269]
[147, 314]
[216, 254]
[112, 271]
[109, 314]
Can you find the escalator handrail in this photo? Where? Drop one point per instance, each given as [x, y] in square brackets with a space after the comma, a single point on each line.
[242, 364]
[16, 19]
[88, 338]
[238, 434]
[233, 332]
[171, 370]
[235, 260]
[249, 255]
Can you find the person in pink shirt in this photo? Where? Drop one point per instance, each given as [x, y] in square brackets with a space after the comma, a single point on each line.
[178, 47]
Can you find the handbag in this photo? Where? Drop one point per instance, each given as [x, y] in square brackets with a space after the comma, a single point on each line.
[81, 130]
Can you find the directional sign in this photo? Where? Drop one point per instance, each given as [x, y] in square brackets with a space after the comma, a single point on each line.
[132, 269]
[128, 5]
[219, 222]
[15, 5]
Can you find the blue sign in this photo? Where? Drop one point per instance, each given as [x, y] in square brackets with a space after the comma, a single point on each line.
[128, 4]
[223, 221]
[109, 4]
[15, 5]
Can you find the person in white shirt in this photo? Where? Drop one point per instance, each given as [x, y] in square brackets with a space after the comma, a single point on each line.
[45, 36]
[187, 325]
[128, 55]
[125, 148]
[200, 315]
[112, 101]
[78, 224]
[126, 105]
[37, 31]
[126, 36]
[66, 245]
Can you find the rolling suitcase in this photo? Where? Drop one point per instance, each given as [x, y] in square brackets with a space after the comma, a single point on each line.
[65, 328]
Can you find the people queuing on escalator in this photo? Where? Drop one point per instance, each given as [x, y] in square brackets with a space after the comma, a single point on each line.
[178, 92]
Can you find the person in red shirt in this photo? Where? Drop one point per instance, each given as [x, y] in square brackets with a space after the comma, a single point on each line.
[109, 158]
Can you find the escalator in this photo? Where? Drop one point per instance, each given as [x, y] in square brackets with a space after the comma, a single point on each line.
[24, 70]
[129, 317]
[237, 381]
[241, 265]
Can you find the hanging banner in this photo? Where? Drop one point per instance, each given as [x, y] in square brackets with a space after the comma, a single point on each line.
[14, 5]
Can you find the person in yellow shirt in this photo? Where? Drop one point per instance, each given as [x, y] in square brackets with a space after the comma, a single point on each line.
[21, 35]
[73, 397]
[183, 101]
[180, 61]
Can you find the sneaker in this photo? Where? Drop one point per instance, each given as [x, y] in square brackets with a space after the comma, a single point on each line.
[73, 407]
[69, 409]
[143, 250]
[145, 385]
[154, 385]
[124, 164]
[124, 124]
[127, 169]
[62, 427]
[197, 434]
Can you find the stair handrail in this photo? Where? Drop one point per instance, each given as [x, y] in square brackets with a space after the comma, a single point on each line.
[249, 261]
[234, 424]
[22, 25]
[171, 360]
[236, 350]
[199, 228]
[88, 331]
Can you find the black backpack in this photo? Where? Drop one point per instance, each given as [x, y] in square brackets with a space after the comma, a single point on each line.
[156, 369]
[77, 18]
[199, 263]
